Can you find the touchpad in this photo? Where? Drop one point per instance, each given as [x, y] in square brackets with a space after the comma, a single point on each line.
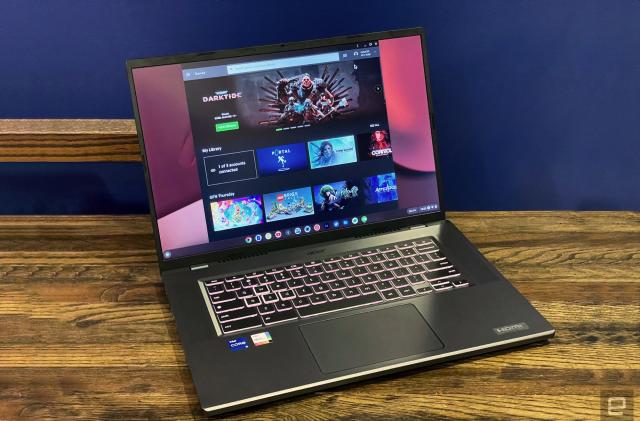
[369, 338]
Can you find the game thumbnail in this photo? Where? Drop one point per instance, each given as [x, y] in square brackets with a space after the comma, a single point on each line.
[381, 188]
[288, 204]
[376, 144]
[330, 152]
[336, 196]
[236, 213]
[278, 159]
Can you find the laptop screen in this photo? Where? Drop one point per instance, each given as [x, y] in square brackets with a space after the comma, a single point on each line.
[262, 148]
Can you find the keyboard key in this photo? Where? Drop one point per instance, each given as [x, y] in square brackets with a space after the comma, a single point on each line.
[367, 289]
[424, 290]
[459, 283]
[212, 289]
[331, 260]
[328, 277]
[375, 268]
[416, 269]
[235, 325]
[385, 275]
[264, 280]
[318, 299]
[427, 248]
[395, 254]
[312, 263]
[347, 264]
[312, 280]
[406, 291]
[279, 276]
[400, 282]
[232, 286]
[376, 258]
[353, 282]
[351, 292]
[304, 291]
[391, 294]
[362, 261]
[234, 278]
[273, 270]
[369, 279]
[320, 288]
[252, 302]
[283, 305]
[282, 316]
[249, 282]
[262, 289]
[436, 256]
[244, 293]
[331, 267]
[435, 266]
[386, 249]
[228, 306]
[414, 279]
[243, 313]
[315, 270]
[266, 309]
[357, 271]
[210, 282]
[406, 261]
[334, 295]
[391, 264]
[351, 256]
[445, 286]
[343, 274]
[384, 285]
[221, 297]
[399, 273]
[340, 305]
[269, 298]
[253, 274]
[293, 267]
[421, 258]
[287, 295]
[337, 285]
[442, 274]
[405, 245]
[408, 252]
[301, 302]
[279, 286]
[298, 273]
[368, 252]
[295, 283]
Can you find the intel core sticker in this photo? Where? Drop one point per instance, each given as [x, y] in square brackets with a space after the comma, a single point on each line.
[238, 344]
[262, 338]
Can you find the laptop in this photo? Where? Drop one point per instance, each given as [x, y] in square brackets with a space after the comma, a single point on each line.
[296, 202]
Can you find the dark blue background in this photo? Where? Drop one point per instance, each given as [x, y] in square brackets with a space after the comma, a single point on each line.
[537, 102]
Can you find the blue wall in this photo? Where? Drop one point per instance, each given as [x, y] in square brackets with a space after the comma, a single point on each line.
[537, 102]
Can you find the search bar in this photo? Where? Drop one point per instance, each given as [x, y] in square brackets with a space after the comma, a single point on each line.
[256, 66]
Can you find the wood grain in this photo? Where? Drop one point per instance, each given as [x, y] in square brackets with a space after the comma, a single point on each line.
[86, 331]
[82, 140]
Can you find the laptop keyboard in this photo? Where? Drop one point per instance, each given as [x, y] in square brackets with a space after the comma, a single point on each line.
[401, 270]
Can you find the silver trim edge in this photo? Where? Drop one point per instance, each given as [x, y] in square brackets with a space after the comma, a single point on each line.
[207, 302]
[378, 370]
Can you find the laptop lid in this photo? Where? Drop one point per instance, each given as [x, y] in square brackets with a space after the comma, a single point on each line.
[264, 148]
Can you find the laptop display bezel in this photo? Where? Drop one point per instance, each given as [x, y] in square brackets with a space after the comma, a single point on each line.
[316, 238]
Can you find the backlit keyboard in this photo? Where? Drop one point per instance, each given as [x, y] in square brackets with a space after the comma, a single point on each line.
[369, 276]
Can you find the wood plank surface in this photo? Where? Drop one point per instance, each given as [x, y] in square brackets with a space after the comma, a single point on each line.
[68, 140]
[86, 331]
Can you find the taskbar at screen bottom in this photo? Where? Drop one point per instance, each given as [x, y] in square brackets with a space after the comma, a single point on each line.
[298, 230]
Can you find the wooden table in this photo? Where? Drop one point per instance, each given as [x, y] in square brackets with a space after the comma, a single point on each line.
[86, 332]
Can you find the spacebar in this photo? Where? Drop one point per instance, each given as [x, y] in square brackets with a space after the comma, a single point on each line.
[339, 305]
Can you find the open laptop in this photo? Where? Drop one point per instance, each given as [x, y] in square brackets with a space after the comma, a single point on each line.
[296, 202]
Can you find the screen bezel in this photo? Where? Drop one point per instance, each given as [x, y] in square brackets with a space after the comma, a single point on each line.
[319, 237]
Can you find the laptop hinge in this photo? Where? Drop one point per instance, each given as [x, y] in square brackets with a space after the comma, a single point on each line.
[199, 267]
[415, 227]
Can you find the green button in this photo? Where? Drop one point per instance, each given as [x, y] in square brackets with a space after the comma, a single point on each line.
[226, 126]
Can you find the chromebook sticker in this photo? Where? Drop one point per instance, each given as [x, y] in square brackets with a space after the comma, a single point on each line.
[262, 338]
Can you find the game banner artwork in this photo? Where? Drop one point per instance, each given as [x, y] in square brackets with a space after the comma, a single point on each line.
[278, 159]
[376, 144]
[288, 204]
[381, 188]
[236, 213]
[330, 152]
[336, 196]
